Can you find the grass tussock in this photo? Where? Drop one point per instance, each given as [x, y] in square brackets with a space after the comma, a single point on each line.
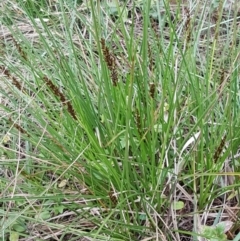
[119, 120]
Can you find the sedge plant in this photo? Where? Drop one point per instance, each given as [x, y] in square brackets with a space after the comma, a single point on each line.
[118, 121]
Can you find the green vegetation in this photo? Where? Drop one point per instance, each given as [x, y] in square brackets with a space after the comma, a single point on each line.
[120, 120]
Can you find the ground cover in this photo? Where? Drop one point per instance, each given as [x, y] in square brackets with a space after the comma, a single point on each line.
[119, 120]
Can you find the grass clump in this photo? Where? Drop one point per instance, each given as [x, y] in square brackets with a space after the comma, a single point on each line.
[119, 121]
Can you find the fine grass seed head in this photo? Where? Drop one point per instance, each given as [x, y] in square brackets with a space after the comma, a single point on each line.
[59, 94]
[110, 60]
